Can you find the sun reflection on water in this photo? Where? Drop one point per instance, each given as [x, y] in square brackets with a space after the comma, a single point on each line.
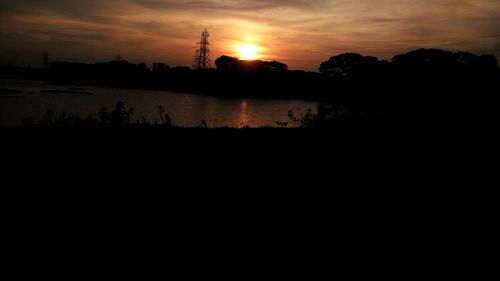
[244, 119]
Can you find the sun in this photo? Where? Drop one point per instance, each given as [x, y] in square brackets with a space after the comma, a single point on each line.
[249, 52]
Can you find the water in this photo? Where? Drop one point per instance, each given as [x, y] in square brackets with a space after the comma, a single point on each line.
[28, 98]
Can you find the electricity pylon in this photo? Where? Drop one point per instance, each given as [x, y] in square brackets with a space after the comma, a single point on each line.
[202, 58]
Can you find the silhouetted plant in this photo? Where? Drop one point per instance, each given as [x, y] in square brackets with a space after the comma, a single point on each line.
[27, 122]
[245, 124]
[104, 116]
[282, 124]
[142, 121]
[324, 117]
[204, 124]
[119, 117]
[304, 120]
[48, 118]
[164, 117]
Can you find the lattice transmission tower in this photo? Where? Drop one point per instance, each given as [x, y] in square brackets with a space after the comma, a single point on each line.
[202, 58]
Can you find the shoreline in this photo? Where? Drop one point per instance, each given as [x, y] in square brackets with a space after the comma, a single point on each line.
[40, 75]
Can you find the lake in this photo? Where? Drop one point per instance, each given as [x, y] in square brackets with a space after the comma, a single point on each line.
[29, 98]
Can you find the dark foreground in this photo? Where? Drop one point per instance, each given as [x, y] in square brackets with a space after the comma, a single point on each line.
[415, 188]
[344, 141]
[374, 188]
[369, 164]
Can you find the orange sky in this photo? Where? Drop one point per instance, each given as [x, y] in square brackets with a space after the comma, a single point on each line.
[300, 33]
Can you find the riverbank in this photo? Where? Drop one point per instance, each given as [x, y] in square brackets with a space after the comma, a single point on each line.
[350, 131]
[290, 85]
[21, 99]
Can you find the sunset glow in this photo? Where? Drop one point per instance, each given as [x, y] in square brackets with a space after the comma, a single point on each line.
[248, 52]
[300, 33]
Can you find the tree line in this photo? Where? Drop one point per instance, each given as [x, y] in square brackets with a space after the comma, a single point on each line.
[419, 80]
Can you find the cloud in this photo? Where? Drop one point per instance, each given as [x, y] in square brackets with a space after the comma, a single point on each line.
[229, 5]
[299, 32]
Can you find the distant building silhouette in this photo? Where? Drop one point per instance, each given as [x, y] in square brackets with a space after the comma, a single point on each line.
[159, 67]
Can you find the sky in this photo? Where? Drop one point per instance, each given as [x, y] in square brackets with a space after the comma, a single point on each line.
[300, 33]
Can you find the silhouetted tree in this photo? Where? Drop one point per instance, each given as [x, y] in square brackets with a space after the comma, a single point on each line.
[488, 62]
[225, 63]
[276, 66]
[473, 64]
[465, 59]
[427, 62]
[346, 65]
[142, 67]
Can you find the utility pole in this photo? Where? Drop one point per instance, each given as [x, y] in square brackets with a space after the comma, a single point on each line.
[202, 58]
[45, 61]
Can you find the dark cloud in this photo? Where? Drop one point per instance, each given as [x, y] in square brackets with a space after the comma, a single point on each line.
[241, 5]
